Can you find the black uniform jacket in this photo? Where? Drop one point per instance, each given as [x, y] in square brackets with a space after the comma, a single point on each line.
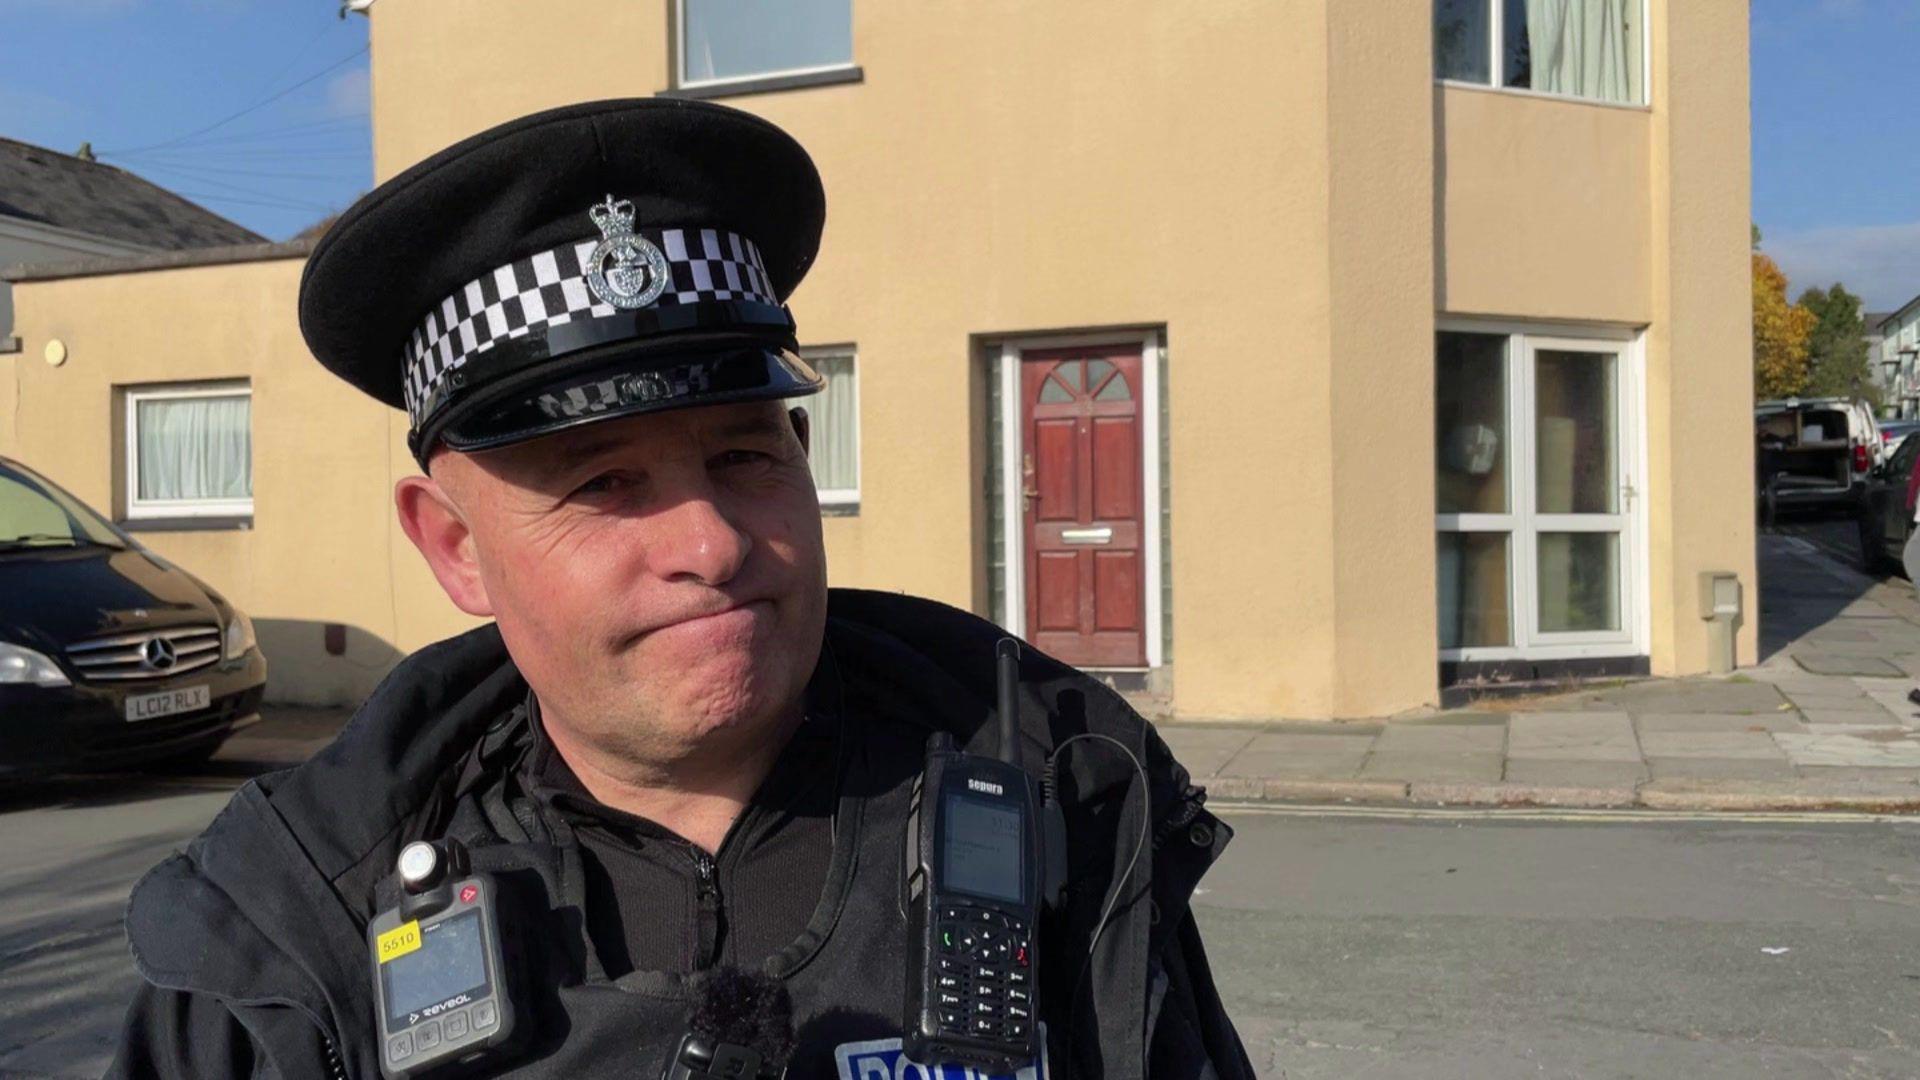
[252, 942]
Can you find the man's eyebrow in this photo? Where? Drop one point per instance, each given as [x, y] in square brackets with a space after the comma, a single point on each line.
[547, 468]
[759, 424]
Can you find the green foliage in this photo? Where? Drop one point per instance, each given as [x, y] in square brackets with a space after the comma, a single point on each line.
[1837, 346]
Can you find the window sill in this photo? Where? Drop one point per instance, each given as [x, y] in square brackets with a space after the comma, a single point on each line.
[239, 523]
[844, 509]
[9, 345]
[1541, 95]
[767, 84]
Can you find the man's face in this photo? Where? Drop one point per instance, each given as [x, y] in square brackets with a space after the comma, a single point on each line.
[660, 580]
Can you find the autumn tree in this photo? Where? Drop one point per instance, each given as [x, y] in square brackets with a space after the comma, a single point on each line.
[1837, 347]
[1780, 333]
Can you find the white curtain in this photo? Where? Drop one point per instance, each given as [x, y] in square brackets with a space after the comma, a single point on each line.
[835, 427]
[195, 448]
[1581, 47]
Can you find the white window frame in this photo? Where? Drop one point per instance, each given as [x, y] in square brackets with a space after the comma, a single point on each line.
[680, 59]
[838, 497]
[147, 509]
[1496, 63]
[1522, 525]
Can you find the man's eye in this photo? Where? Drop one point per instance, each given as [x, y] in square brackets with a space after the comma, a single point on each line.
[733, 458]
[602, 484]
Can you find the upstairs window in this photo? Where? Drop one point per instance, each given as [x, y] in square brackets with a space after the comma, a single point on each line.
[190, 451]
[723, 41]
[1592, 49]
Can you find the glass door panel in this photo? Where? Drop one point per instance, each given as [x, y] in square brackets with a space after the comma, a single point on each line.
[1576, 445]
[1474, 586]
[1578, 581]
[1577, 526]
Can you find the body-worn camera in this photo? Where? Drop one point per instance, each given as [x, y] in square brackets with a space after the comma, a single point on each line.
[437, 969]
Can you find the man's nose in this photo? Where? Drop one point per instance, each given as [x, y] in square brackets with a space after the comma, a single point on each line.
[698, 542]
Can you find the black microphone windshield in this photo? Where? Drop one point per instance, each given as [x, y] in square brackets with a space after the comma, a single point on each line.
[753, 1011]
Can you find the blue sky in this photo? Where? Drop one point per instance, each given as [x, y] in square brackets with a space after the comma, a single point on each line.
[1836, 142]
[154, 86]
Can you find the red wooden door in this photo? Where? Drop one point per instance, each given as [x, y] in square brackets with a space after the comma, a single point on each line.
[1080, 460]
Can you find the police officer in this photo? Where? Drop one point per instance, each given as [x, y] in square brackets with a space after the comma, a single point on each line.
[673, 745]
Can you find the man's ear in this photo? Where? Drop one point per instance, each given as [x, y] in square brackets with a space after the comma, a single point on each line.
[434, 524]
[802, 427]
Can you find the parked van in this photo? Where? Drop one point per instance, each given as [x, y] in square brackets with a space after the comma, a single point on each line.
[1814, 452]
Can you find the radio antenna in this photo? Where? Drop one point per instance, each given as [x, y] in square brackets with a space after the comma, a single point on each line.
[1007, 659]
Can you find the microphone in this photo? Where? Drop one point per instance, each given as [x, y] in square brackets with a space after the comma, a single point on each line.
[740, 1028]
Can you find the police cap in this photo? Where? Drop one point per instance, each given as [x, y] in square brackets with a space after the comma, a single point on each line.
[599, 260]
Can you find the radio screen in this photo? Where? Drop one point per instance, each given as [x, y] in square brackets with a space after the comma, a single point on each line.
[984, 853]
[450, 961]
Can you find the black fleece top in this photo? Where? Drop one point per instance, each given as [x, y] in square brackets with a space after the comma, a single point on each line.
[656, 901]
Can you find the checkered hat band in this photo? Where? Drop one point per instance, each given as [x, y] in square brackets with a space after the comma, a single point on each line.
[550, 288]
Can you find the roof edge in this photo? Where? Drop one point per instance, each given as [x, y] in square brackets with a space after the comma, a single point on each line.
[103, 265]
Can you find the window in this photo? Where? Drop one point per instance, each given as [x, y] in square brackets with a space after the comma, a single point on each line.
[834, 415]
[725, 41]
[1535, 451]
[190, 451]
[1592, 49]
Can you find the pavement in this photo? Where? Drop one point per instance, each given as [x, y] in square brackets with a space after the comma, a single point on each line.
[1821, 721]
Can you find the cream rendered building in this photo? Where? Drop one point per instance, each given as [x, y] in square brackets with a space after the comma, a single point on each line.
[1281, 358]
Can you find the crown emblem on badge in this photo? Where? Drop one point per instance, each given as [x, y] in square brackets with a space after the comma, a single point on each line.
[625, 269]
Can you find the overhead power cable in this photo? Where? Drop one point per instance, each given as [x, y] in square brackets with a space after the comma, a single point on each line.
[256, 106]
[352, 124]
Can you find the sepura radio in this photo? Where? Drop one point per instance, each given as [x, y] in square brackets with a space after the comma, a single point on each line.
[976, 875]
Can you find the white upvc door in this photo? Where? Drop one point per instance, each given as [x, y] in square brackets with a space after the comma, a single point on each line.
[1576, 534]
[1564, 521]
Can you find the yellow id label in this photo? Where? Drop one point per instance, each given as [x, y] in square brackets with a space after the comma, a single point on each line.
[398, 941]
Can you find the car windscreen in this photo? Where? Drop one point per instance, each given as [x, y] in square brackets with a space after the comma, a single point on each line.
[33, 513]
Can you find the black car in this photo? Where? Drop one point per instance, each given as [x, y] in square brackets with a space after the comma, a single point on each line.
[1886, 514]
[110, 656]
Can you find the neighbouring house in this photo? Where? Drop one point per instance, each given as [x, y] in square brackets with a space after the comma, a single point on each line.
[1894, 347]
[1311, 360]
[57, 207]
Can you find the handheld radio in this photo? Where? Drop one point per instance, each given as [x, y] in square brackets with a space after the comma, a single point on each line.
[976, 868]
[437, 970]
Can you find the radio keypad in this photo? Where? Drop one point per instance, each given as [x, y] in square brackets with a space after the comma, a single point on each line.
[983, 977]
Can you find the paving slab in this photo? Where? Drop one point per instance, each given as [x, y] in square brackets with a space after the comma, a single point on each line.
[1446, 767]
[1203, 750]
[1572, 736]
[1438, 738]
[1879, 773]
[1296, 755]
[1694, 695]
[1864, 715]
[1849, 748]
[1779, 720]
[1711, 744]
[1584, 774]
[1453, 719]
[1832, 663]
[1706, 768]
[1853, 699]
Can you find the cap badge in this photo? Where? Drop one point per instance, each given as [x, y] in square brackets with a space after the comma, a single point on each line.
[638, 273]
